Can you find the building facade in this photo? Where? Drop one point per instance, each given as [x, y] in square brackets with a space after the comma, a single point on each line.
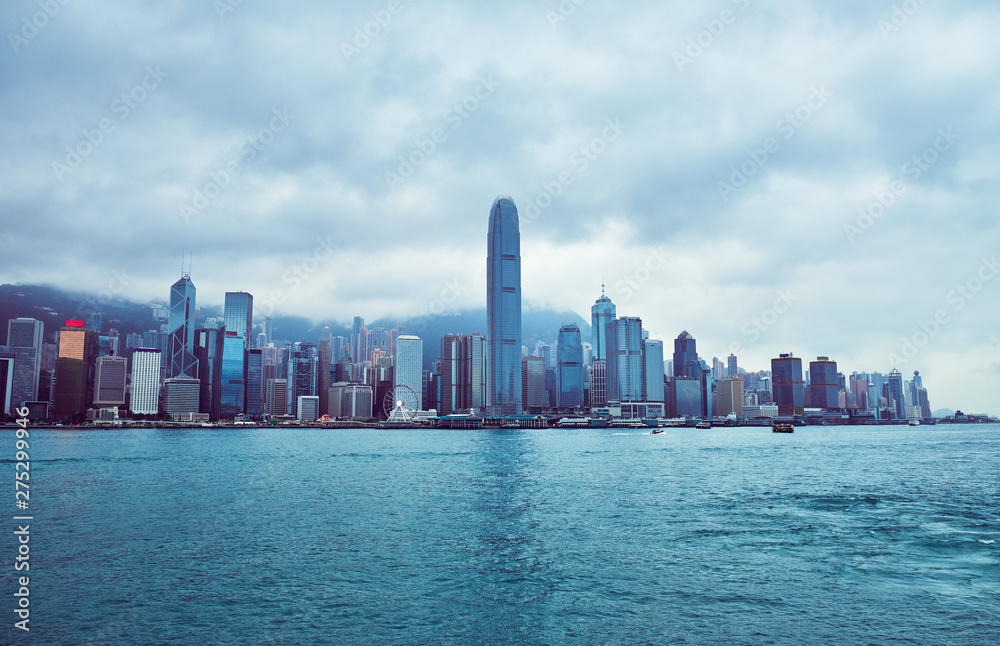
[503, 309]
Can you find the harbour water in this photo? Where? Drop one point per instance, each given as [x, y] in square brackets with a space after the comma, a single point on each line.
[830, 535]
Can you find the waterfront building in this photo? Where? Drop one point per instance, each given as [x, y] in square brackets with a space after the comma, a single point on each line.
[144, 398]
[72, 370]
[208, 350]
[533, 395]
[686, 397]
[462, 373]
[307, 408]
[303, 375]
[653, 371]
[110, 381]
[602, 313]
[895, 399]
[181, 397]
[503, 309]
[408, 365]
[275, 397]
[625, 360]
[24, 340]
[787, 385]
[181, 330]
[824, 383]
[255, 384]
[729, 395]
[569, 367]
[686, 362]
[599, 383]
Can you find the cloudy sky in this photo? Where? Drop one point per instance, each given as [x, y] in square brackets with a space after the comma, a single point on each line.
[796, 176]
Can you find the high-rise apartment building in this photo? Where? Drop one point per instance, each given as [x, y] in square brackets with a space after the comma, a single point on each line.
[503, 309]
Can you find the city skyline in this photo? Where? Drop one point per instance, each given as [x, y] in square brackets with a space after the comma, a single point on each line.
[835, 203]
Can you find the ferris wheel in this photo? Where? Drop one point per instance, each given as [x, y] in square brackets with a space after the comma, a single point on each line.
[400, 404]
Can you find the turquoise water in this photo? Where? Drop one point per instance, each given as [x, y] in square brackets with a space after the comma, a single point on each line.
[736, 536]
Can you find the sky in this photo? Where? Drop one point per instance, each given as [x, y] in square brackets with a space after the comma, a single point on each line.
[808, 177]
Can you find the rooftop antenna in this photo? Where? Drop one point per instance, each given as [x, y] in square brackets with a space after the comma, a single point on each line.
[602, 287]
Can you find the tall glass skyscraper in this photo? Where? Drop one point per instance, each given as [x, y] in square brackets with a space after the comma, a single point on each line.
[180, 329]
[503, 309]
[569, 367]
[602, 313]
[686, 362]
[625, 359]
[238, 315]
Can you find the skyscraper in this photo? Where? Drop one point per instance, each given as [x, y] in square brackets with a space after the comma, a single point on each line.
[787, 385]
[625, 365]
[569, 367]
[180, 330]
[238, 317]
[72, 367]
[408, 365]
[303, 373]
[533, 384]
[109, 381]
[145, 396]
[824, 385]
[463, 372]
[601, 313]
[503, 308]
[896, 399]
[730, 397]
[24, 340]
[686, 362]
[653, 371]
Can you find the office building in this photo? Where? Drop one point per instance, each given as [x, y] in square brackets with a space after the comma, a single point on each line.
[181, 329]
[787, 385]
[569, 367]
[625, 359]
[408, 366]
[462, 373]
[110, 381]
[144, 398]
[729, 395]
[276, 397]
[303, 373]
[503, 309]
[181, 396]
[307, 409]
[72, 370]
[602, 313]
[24, 341]
[533, 396]
[824, 384]
[686, 362]
[653, 371]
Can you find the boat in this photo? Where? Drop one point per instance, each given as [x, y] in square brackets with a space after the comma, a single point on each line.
[703, 425]
[782, 427]
[656, 431]
[914, 422]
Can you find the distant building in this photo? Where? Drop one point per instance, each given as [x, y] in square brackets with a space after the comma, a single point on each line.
[730, 396]
[533, 395]
[601, 314]
[625, 359]
[503, 309]
[145, 394]
[24, 340]
[275, 397]
[72, 370]
[307, 408]
[463, 373]
[732, 370]
[787, 385]
[686, 396]
[824, 384]
[894, 394]
[303, 373]
[686, 362]
[653, 371]
[110, 381]
[181, 396]
[407, 365]
[181, 330]
[599, 383]
[569, 367]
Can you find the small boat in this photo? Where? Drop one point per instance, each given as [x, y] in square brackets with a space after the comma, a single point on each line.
[782, 427]
[914, 422]
[703, 425]
[656, 431]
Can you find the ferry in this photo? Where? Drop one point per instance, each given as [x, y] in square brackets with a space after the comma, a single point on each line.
[627, 423]
[782, 427]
